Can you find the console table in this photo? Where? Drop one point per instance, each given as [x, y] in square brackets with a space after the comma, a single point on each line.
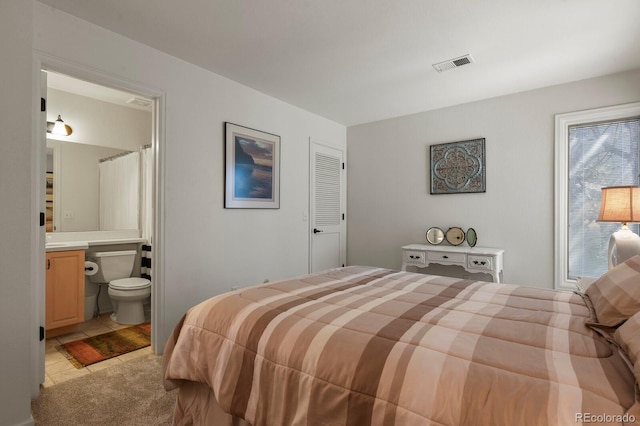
[472, 259]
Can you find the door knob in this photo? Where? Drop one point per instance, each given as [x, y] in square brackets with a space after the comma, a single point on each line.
[316, 230]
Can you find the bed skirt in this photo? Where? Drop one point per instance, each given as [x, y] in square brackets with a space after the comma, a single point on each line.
[197, 405]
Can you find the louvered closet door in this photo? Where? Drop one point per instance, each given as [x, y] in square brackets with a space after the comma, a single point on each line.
[327, 207]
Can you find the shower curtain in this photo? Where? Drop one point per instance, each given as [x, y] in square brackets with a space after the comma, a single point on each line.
[120, 192]
[146, 196]
[146, 209]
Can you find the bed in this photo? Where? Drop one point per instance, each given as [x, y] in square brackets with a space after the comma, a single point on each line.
[363, 345]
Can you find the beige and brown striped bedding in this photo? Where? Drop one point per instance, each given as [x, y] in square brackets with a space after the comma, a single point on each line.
[361, 345]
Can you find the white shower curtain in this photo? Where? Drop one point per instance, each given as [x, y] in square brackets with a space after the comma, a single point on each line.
[120, 193]
[146, 196]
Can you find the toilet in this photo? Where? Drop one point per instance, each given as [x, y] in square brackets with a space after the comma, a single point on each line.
[127, 293]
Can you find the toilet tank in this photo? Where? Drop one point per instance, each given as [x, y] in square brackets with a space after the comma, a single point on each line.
[112, 265]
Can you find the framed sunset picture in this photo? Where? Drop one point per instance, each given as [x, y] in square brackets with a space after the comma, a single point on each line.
[252, 168]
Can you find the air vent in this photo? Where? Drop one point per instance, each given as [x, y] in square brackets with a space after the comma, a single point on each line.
[454, 63]
[141, 102]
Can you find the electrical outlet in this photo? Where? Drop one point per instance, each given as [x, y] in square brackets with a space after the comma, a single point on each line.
[235, 287]
[67, 214]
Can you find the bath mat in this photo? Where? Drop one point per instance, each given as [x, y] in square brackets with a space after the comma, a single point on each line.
[108, 345]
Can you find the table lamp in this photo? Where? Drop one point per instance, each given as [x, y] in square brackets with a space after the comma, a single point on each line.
[621, 204]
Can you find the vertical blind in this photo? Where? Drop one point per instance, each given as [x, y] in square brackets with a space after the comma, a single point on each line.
[600, 154]
[327, 190]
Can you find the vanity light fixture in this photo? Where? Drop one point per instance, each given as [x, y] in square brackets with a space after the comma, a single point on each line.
[621, 204]
[59, 127]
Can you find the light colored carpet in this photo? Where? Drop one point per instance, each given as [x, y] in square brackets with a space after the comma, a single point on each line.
[126, 394]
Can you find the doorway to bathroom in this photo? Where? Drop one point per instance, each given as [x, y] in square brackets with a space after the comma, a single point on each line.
[101, 186]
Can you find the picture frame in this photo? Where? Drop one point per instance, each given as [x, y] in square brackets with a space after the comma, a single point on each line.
[252, 168]
[458, 167]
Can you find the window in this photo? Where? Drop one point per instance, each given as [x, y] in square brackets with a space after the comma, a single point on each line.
[601, 154]
[594, 149]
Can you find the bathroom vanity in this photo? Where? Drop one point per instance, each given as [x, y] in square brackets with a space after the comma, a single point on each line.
[64, 290]
[68, 292]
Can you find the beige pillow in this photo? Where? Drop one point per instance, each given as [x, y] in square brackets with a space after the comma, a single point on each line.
[616, 294]
[628, 337]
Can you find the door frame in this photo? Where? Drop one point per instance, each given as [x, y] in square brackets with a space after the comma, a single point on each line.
[45, 62]
[343, 199]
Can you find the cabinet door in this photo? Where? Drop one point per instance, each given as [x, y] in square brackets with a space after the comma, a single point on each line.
[65, 288]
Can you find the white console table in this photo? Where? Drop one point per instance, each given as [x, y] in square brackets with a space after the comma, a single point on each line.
[472, 259]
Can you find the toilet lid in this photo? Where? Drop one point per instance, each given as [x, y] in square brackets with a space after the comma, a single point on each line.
[130, 283]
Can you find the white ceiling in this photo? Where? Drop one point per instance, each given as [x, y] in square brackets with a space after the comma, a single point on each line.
[357, 61]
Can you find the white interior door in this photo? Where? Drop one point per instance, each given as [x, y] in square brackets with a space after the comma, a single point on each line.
[327, 212]
[39, 259]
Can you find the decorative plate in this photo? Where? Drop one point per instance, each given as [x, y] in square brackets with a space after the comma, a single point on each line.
[455, 236]
[472, 237]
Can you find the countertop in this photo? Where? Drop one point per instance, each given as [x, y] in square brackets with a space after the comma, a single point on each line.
[84, 245]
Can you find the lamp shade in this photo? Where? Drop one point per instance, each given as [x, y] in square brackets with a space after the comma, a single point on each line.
[59, 127]
[620, 204]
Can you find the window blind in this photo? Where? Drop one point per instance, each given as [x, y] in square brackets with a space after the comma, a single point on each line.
[600, 155]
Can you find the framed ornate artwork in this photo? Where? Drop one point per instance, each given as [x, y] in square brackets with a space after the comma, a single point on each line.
[458, 167]
[252, 168]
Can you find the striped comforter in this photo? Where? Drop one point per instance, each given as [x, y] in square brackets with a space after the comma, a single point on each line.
[360, 346]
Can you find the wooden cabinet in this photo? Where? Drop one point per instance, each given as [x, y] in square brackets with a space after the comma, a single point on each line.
[64, 288]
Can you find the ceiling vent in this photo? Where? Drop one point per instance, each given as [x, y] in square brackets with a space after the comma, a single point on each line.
[454, 63]
[141, 102]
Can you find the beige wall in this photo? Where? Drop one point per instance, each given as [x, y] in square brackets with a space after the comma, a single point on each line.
[99, 123]
[388, 184]
[207, 249]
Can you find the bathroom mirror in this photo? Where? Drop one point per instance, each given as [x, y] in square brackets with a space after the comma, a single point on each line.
[435, 235]
[106, 123]
[73, 199]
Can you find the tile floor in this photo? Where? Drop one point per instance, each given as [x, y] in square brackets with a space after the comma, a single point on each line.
[58, 368]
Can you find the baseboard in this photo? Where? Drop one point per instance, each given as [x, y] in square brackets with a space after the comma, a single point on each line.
[28, 422]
